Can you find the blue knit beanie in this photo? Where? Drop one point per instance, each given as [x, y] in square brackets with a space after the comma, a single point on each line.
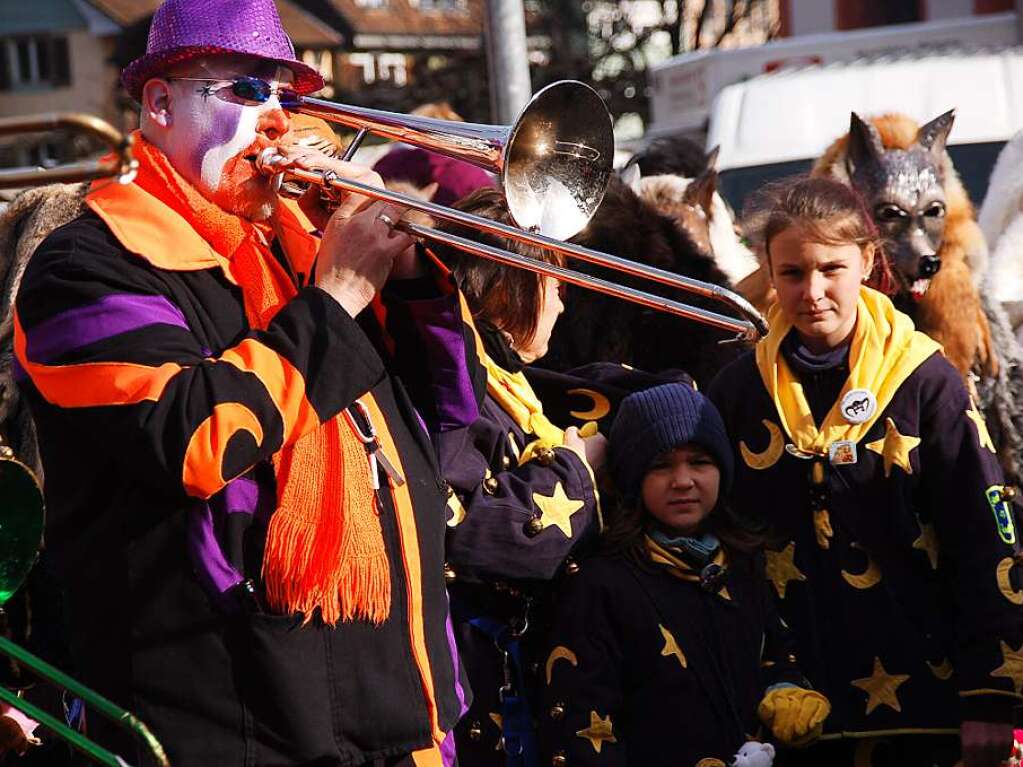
[650, 423]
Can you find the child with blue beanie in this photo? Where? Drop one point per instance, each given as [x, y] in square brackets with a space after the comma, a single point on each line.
[666, 648]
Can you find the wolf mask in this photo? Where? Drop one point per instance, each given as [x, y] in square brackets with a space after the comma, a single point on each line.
[904, 190]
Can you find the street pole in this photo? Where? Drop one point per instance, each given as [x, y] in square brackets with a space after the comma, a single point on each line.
[507, 59]
[1019, 21]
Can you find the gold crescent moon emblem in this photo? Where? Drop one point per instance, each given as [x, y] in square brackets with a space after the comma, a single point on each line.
[601, 405]
[1002, 572]
[941, 670]
[559, 653]
[768, 457]
[868, 578]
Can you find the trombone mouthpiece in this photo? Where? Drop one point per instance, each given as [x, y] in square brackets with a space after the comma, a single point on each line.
[267, 161]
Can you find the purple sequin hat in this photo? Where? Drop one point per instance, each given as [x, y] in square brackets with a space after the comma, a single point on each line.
[183, 30]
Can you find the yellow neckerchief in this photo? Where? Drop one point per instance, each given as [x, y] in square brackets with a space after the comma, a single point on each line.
[885, 351]
[679, 568]
[517, 398]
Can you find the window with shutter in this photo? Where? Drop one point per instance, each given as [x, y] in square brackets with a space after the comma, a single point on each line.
[5, 67]
[34, 62]
[61, 62]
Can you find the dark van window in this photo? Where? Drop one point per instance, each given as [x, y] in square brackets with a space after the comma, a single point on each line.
[973, 163]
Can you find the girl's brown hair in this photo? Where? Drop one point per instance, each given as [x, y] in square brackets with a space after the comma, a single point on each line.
[506, 297]
[628, 524]
[827, 210]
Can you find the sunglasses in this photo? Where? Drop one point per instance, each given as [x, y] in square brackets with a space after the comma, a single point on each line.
[247, 91]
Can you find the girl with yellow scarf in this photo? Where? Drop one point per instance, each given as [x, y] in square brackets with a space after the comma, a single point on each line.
[893, 536]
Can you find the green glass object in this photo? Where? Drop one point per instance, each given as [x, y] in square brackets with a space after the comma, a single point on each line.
[21, 525]
[21, 535]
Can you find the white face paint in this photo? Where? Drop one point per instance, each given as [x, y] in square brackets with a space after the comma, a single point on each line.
[211, 137]
[217, 156]
[211, 170]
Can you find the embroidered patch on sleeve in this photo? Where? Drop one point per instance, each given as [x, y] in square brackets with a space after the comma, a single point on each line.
[1003, 513]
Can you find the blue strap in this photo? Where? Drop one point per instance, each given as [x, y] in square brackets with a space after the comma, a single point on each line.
[520, 746]
[494, 629]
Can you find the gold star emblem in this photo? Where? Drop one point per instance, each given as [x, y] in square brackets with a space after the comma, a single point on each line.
[978, 420]
[1012, 666]
[894, 448]
[781, 568]
[600, 730]
[881, 687]
[557, 509]
[671, 646]
[928, 541]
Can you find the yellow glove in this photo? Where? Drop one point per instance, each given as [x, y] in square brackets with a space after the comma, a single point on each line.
[795, 716]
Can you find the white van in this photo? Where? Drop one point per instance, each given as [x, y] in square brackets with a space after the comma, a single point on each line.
[776, 124]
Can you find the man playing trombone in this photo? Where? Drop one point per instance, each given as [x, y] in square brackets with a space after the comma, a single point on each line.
[243, 504]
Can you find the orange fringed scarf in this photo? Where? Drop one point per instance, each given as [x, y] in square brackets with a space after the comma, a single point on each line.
[324, 546]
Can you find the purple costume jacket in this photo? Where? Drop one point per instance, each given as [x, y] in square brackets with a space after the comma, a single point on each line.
[511, 529]
[906, 610]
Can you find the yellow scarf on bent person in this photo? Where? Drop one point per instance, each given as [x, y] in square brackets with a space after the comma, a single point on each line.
[324, 547]
[517, 398]
[885, 351]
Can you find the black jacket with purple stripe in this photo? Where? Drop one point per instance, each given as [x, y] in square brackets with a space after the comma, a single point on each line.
[125, 364]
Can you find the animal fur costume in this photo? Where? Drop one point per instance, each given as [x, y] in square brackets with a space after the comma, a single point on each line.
[675, 196]
[679, 181]
[603, 328]
[25, 223]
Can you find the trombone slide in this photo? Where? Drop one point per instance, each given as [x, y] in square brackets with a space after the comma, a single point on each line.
[752, 328]
[121, 164]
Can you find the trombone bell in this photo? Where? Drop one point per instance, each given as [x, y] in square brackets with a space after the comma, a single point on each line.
[554, 162]
[558, 160]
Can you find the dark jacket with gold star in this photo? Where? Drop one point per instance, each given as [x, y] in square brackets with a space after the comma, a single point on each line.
[647, 668]
[511, 527]
[895, 572]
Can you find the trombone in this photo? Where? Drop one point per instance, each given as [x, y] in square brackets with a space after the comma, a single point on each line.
[120, 163]
[554, 163]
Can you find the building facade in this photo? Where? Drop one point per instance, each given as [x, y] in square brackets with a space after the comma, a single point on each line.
[67, 55]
